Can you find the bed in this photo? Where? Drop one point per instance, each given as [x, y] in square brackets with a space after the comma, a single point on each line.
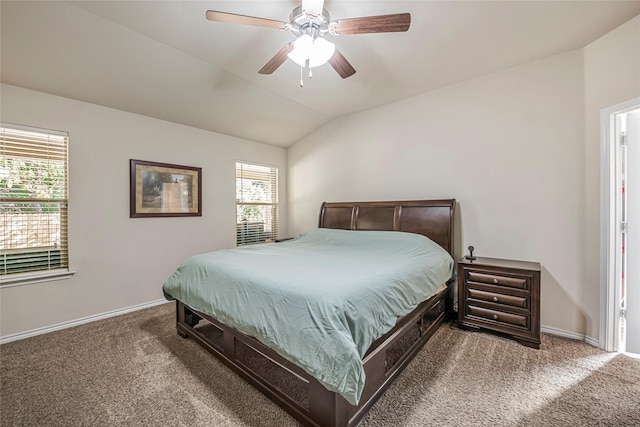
[323, 323]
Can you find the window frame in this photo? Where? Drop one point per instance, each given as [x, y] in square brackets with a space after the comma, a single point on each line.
[242, 228]
[48, 274]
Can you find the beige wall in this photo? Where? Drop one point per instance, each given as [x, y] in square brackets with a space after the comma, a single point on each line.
[519, 149]
[612, 76]
[508, 146]
[122, 262]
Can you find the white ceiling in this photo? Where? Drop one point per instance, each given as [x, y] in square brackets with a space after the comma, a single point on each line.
[163, 59]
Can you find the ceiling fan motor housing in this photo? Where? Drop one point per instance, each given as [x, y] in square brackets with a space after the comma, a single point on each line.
[313, 25]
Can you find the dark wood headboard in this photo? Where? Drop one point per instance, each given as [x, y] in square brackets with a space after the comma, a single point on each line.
[431, 218]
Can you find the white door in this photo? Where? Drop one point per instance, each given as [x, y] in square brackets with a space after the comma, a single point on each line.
[631, 199]
[620, 228]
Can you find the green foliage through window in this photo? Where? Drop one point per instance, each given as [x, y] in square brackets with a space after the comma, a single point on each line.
[256, 203]
[33, 201]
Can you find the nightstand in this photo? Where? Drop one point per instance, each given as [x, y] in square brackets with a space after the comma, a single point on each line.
[500, 295]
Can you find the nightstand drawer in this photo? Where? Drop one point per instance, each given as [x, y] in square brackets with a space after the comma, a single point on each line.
[514, 301]
[498, 316]
[494, 279]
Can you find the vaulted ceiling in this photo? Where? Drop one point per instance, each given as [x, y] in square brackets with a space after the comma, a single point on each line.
[163, 59]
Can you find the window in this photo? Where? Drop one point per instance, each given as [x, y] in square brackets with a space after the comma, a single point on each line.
[33, 201]
[256, 204]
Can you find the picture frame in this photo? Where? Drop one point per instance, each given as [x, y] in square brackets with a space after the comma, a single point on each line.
[164, 190]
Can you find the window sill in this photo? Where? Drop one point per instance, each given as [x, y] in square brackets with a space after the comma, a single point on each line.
[31, 278]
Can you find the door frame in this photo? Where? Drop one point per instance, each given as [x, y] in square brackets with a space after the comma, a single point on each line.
[610, 218]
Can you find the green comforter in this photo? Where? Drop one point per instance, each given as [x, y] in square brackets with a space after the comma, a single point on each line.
[318, 300]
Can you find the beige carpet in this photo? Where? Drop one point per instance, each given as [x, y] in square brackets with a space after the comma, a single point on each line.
[133, 370]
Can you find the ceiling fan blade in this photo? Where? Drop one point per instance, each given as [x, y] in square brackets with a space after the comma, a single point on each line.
[313, 7]
[374, 24]
[277, 60]
[232, 18]
[341, 65]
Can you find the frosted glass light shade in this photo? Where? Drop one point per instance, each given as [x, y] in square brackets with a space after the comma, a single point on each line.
[318, 51]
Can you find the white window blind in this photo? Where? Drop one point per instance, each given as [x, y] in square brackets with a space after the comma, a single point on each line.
[256, 203]
[33, 200]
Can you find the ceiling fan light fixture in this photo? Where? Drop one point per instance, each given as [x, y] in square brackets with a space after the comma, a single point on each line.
[317, 51]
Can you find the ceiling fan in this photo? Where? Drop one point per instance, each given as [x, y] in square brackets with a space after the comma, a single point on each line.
[310, 23]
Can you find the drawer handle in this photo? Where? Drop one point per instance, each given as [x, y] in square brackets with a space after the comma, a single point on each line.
[495, 281]
[495, 298]
[495, 317]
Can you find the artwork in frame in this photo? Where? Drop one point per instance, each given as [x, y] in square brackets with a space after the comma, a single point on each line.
[164, 190]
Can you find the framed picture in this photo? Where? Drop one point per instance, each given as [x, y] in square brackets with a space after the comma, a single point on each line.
[164, 190]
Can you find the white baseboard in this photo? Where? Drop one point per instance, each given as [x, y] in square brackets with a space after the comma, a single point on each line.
[572, 335]
[71, 323]
[594, 342]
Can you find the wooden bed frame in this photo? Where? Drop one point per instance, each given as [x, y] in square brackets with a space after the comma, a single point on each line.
[300, 394]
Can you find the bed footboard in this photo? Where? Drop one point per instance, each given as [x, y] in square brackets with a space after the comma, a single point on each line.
[299, 393]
